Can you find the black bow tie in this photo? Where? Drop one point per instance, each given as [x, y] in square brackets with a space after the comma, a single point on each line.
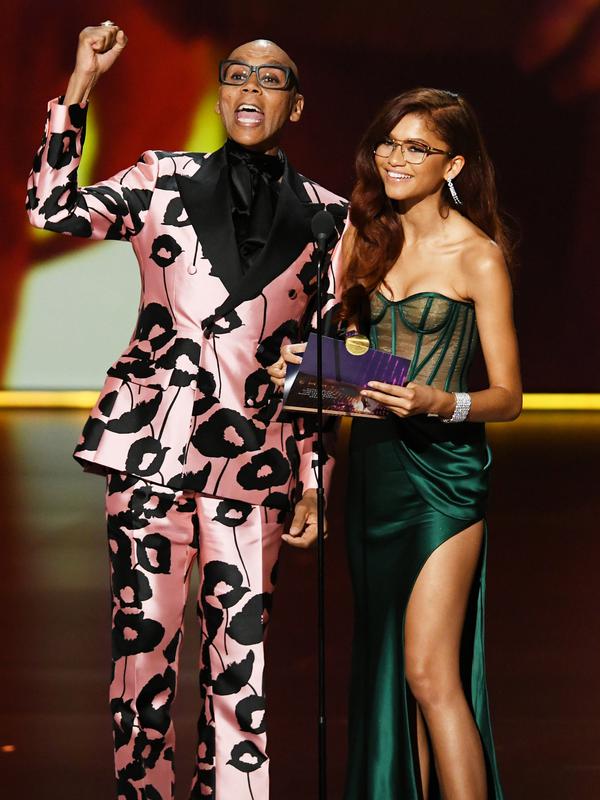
[254, 187]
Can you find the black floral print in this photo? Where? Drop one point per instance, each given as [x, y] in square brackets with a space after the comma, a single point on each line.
[250, 714]
[165, 250]
[145, 456]
[133, 633]
[265, 470]
[62, 149]
[247, 626]
[187, 412]
[137, 418]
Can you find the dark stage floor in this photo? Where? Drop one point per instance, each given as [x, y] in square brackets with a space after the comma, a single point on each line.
[542, 628]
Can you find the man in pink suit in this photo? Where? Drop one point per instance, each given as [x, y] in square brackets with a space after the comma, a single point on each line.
[201, 465]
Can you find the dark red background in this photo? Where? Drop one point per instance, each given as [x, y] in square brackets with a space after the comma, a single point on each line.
[532, 72]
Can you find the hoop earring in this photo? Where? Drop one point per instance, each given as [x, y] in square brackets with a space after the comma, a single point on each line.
[453, 192]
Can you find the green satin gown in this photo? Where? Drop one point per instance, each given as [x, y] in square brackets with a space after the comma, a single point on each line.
[413, 484]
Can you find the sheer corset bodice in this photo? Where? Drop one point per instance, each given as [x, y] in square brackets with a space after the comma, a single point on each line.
[438, 333]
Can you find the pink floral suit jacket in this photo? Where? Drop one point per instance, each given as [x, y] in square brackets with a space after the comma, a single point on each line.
[189, 403]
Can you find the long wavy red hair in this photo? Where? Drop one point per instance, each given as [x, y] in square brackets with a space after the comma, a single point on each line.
[379, 236]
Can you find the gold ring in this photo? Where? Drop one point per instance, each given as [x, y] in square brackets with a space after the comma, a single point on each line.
[108, 23]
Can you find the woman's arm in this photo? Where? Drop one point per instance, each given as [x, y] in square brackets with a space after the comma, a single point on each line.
[491, 290]
[488, 284]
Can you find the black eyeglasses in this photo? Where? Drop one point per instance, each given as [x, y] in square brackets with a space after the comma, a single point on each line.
[413, 152]
[269, 76]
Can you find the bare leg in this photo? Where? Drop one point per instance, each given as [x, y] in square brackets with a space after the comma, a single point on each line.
[424, 754]
[433, 629]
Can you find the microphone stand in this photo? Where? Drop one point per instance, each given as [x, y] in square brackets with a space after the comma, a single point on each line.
[323, 228]
[322, 717]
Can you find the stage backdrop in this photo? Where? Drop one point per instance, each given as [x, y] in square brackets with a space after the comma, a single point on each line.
[533, 73]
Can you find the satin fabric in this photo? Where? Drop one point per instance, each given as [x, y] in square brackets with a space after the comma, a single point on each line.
[156, 536]
[254, 191]
[189, 403]
[413, 484]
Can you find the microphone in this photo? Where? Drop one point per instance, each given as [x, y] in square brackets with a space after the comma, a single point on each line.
[322, 226]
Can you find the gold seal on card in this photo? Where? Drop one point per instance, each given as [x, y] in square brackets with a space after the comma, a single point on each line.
[357, 345]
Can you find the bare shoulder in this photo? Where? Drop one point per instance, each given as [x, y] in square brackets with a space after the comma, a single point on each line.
[482, 262]
[482, 258]
[481, 266]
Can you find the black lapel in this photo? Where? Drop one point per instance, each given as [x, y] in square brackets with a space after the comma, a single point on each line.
[206, 198]
[289, 235]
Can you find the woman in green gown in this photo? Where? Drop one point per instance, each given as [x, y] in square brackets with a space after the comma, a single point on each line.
[425, 271]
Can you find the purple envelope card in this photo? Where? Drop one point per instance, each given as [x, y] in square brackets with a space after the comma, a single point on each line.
[344, 375]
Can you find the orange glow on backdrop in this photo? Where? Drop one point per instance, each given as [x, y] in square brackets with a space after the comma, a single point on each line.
[531, 70]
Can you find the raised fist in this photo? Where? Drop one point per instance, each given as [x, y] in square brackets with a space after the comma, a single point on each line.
[98, 49]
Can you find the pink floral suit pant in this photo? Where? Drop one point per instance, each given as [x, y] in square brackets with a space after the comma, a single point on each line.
[155, 536]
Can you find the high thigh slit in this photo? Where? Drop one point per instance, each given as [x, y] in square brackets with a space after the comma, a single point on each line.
[414, 484]
[468, 639]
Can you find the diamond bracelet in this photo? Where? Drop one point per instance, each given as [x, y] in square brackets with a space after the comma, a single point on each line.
[461, 409]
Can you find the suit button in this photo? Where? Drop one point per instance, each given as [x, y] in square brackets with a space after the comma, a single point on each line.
[192, 269]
